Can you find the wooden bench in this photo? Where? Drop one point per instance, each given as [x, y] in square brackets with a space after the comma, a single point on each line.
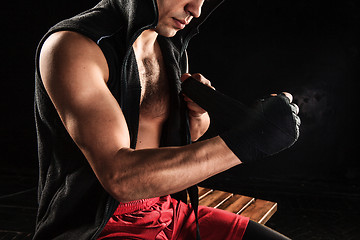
[257, 210]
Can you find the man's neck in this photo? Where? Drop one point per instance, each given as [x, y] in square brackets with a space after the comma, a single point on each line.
[145, 43]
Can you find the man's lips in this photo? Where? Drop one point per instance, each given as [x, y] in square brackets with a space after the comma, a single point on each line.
[179, 23]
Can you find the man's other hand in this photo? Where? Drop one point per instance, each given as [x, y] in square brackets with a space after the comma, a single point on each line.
[198, 117]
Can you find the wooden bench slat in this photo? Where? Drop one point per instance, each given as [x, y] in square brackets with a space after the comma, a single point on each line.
[257, 210]
[260, 210]
[236, 204]
[269, 214]
[215, 198]
[203, 192]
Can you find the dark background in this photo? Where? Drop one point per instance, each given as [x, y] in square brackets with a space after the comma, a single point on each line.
[248, 49]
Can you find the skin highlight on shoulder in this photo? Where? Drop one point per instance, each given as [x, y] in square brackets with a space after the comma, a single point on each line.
[70, 49]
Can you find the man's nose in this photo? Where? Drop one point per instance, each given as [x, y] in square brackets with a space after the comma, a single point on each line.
[193, 7]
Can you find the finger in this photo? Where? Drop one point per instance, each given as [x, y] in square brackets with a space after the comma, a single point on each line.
[294, 108]
[288, 95]
[185, 76]
[202, 79]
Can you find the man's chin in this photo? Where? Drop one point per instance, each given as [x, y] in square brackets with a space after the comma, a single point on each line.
[167, 33]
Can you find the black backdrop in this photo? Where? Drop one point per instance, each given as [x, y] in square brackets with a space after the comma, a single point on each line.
[248, 49]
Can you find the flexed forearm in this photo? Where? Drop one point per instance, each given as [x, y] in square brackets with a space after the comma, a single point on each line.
[145, 173]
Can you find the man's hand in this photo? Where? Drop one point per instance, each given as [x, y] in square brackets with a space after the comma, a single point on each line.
[271, 128]
[198, 117]
[251, 133]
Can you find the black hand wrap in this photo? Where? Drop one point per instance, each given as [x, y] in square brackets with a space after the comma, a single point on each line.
[251, 133]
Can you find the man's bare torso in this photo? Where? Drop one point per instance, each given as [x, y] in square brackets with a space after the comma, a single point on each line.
[154, 101]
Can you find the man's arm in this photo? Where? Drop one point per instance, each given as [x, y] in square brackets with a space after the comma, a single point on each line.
[74, 72]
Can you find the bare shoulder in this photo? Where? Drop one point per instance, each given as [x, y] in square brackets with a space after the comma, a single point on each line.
[73, 70]
[63, 37]
[66, 51]
[66, 42]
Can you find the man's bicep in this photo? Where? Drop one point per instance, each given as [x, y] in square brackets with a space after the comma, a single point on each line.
[73, 71]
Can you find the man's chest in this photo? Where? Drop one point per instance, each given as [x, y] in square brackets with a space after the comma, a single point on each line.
[154, 100]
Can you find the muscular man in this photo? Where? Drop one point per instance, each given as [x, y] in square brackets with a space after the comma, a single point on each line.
[113, 129]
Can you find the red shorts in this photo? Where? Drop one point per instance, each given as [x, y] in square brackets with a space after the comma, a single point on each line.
[167, 218]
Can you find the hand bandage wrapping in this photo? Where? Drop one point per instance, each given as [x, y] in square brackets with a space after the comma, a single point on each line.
[251, 133]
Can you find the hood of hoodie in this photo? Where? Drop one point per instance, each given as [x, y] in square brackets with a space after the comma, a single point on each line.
[148, 10]
[133, 17]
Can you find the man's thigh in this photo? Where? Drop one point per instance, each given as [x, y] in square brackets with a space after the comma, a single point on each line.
[213, 224]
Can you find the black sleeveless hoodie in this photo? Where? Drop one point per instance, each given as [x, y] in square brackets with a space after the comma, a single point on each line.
[72, 203]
